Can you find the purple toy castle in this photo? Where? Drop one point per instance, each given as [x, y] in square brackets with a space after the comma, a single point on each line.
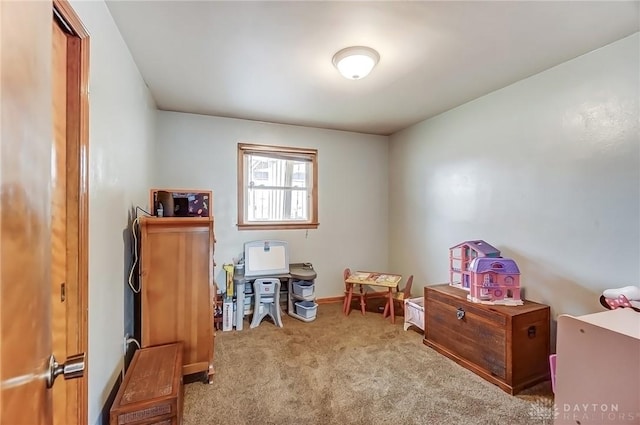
[461, 255]
[494, 281]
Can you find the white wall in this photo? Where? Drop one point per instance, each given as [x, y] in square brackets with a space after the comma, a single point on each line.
[122, 115]
[200, 152]
[547, 170]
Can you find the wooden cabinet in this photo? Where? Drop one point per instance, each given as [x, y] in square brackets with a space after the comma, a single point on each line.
[176, 280]
[508, 346]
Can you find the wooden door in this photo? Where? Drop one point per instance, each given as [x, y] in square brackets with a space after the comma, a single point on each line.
[25, 219]
[35, 250]
[59, 213]
[69, 206]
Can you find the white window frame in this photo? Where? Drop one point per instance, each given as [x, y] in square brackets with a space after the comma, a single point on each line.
[277, 152]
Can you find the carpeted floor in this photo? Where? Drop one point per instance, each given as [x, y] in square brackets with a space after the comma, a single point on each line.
[348, 370]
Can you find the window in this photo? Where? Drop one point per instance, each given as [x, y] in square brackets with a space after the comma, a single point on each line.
[277, 187]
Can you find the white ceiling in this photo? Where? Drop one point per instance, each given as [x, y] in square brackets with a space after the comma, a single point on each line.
[271, 60]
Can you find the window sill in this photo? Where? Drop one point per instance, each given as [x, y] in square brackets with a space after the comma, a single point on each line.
[277, 226]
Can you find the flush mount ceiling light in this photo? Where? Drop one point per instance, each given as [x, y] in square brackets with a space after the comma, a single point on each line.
[355, 62]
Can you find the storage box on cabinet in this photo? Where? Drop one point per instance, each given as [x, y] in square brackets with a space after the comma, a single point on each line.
[306, 309]
[303, 288]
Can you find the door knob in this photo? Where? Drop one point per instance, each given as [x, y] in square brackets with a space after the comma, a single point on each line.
[71, 369]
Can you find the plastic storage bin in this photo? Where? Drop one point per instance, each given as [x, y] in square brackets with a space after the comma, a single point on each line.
[303, 288]
[248, 304]
[306, 309]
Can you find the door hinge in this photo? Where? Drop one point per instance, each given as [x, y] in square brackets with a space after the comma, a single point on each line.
[63, 292]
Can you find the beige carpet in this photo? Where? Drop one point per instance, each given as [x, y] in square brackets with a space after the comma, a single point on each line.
[348, 370]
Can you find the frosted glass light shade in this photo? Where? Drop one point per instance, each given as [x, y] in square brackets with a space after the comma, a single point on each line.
[355, 62]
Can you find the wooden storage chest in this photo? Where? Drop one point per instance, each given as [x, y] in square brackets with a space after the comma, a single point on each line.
[508, 346]
[152, 390]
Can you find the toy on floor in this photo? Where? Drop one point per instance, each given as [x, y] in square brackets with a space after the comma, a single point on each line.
[625, 297]
[494, 281]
